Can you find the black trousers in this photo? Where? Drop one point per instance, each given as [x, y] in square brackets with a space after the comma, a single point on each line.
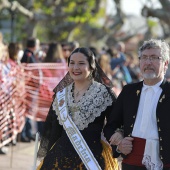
[132, 167]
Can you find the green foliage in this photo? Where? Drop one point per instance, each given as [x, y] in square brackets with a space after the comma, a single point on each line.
[79, 12]
[61, 18]
[39, 6]
[152, 22]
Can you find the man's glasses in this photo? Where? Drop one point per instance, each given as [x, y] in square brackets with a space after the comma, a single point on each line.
[152, 58]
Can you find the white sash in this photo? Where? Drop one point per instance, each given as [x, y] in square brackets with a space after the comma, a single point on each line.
[74, 134]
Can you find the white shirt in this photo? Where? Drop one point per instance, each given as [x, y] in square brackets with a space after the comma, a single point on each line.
[146, 126]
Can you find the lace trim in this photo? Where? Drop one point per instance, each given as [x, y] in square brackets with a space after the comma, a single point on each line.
[44, 148]
[92, 104]
[150, 165]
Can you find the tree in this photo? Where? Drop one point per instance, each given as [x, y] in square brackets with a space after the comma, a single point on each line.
[52, 19]
[161, 13]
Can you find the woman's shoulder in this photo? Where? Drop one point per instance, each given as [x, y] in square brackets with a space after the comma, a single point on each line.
[99, 85]
[103, 89]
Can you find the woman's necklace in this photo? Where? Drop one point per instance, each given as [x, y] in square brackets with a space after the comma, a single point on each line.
[78, 92]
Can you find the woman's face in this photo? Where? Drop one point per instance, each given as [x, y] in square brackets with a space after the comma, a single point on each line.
[79, 68]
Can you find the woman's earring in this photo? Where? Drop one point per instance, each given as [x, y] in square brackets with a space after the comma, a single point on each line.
[90, 76]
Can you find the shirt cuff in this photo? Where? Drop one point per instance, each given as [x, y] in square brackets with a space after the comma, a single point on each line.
[117, 150]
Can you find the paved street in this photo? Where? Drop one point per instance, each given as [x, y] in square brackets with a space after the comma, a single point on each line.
[19, 157]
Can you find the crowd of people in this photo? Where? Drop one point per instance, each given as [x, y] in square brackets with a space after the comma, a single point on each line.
[108, 105]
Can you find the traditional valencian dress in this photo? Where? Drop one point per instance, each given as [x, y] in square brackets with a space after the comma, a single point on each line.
[90, 115]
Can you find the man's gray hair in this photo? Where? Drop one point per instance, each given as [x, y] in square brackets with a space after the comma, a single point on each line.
[154, 43]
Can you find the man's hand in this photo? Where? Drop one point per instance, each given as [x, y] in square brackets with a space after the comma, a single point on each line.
[125, 146]
[116, 138]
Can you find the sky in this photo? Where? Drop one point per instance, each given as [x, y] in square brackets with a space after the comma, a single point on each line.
[131, 6]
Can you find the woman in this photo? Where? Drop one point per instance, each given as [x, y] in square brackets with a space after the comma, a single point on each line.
[82, 103]
[54, 54]
[13, 49]
[104, 62]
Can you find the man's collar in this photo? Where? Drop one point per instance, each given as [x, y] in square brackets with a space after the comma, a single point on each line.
[154, 87]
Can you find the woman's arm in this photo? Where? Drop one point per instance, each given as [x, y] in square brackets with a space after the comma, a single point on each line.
[51, 133]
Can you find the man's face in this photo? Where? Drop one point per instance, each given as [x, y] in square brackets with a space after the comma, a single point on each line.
[152, 65]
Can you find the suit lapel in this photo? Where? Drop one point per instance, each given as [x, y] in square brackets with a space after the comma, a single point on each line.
[164, 95]
[138, 91]
[165, 92]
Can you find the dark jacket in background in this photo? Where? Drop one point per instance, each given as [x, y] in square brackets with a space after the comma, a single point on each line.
[28, 57]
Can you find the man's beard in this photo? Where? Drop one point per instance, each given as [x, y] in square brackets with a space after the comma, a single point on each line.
[149, 75]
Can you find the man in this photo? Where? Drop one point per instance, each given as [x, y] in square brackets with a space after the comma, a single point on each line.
[31, 47]
[29, 57]
[118, 64]
[143, 110]
[66, 49]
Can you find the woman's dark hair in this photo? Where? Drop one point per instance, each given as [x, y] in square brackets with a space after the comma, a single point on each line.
[89, 55]
[97, 74]
[13, 49]
[54, 53]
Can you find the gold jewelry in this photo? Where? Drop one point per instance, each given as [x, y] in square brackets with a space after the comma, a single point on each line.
[78, 92]
[163, 97]
[137, 92]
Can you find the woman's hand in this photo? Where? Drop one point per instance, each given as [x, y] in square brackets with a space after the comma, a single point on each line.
[116, 138]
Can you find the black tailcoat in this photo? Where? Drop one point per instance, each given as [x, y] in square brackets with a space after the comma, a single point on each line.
[125, 111]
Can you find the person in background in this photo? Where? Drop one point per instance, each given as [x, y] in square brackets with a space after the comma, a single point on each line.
[29, 57]
[72, 137]
[74, 45]
[20, 52]
[121, 50]
[142, 110]
[54, 54]
[117, 58]
[66, 49]
[29, 53]
[40, 52]
[13, 49]
[132, 64]
[104, 62]
[3, 58]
